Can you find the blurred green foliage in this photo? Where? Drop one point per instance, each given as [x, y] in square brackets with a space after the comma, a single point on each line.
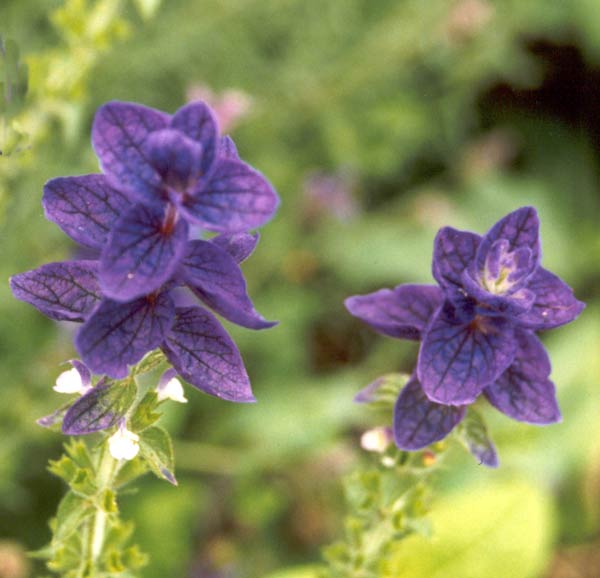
[449, 112]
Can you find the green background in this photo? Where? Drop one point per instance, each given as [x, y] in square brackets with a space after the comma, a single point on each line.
[426, 114]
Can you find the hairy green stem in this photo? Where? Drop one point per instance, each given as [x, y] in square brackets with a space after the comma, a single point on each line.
[107, 468]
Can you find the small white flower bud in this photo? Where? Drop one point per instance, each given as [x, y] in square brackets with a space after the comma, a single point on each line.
[124, 444]
[376, 439]
[388, 461]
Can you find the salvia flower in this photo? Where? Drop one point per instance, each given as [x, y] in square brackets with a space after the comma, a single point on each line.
[476, 328]
[124, 444]
[78, 379]
[164, 177]
[169, 387]
[162, 174]
[376, 439]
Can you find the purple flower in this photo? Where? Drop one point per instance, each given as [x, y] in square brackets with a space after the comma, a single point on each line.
[162, 174]
[476, 329]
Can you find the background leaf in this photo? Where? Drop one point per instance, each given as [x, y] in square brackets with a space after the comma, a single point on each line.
[504, 524]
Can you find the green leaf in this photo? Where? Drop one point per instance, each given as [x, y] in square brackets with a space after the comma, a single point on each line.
[299, 572]
[76, 469]
[145, 413]
[504, 524]
[382, 393]
[153, 360]
[472, 432]
[72, 512]
[130, 471]
[157, 450]
[102, 407]
[147, 8]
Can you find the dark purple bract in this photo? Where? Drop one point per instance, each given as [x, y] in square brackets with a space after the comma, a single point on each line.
[476, 329]
[164, 177]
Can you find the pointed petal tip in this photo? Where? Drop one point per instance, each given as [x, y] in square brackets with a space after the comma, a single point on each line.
[490, 461]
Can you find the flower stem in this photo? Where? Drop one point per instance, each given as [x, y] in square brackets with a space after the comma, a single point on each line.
[105, 474]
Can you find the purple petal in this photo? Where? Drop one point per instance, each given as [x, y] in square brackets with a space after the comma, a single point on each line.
[62, 291]
[120, 334]
[524, 391]
[118, 135]
[176, 158]
[214, 276]
[521, 229]
[84, 207]
[227, 148]
[485, 454]
[457, 360]
[239, 245]
[204, 355]
[554, 303]
[419, 422]
[166, 377]
[236, 198]
[400, 312]
[474, 435]
[84, 372]
[143, 251]
[453, 252]
[368, 394]
[197, 121]
[510, 303]
[504, 270]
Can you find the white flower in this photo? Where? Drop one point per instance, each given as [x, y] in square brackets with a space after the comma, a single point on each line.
[171, 389]
[124, 444]
[376, 439]
[70, 382]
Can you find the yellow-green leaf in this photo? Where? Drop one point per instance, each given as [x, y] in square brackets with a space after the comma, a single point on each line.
[504, 526]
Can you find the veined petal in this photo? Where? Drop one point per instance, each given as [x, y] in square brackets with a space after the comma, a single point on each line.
[227, 148]
[239, 245]
[118, 135]
[400, 312]
[84, 207]
[418, 421]
[197, 121]
[177, 159]
[554, 303]
[67, 291]
[504, 270]
[120, 334]
[524, 391]
[490, 303]
[453, 252]
[204, 355]
[457, 360]
[521, 229]
[214, 276]
[236, 198]
[143, 251]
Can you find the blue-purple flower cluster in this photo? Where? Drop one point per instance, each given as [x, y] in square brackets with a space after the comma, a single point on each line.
[164, 178]
[476, 328]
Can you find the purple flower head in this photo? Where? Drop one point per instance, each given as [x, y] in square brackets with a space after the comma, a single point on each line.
[476, 329]
[164, 177]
